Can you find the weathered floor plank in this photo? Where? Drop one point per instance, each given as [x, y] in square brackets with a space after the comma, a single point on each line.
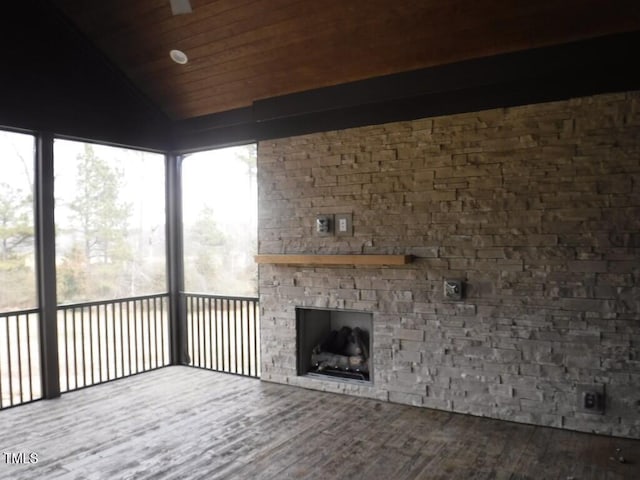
[185, 423]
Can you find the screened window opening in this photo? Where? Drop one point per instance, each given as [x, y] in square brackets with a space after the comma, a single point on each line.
[220, 221]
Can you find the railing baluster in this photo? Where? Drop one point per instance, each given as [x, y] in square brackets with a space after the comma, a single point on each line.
[193, 315]
[113, 340]
[75, 349]
[235, 336]
[84, 359]
[121, 323]
[28, 358]
[136, 352]
[10, 373]
[106, 339]
[187, 302]
[1, 375]
[147, 320]
[243, 304]
[135, 333]
[201, 347]
[194, 335]
[164, 361]
[132, 334]
[17, 317]
[155, 328]
[187, 326]
[209, 350]
[65, 339]
[256, 336]
[230, 326]
[216, 338]
[223, 353]
[206, 337]
[203, 331]
[197, 331]
[200, 330]
[99, 317]
[221, 350]
[140, 311]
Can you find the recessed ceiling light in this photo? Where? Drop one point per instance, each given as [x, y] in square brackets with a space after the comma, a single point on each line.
[180, 7]
[178, 56]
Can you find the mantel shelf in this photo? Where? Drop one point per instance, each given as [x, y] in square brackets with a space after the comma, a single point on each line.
[298, 259]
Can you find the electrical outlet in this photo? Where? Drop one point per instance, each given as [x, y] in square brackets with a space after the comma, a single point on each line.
[591, 399]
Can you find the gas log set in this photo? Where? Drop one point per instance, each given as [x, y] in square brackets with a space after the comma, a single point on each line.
[343, 353]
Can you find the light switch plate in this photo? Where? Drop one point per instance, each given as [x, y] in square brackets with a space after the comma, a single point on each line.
[343, 224]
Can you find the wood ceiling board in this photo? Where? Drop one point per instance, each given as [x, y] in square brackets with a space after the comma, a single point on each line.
[212, 54]
[249, 62]
[308, 23]
[243, 51]
[205, 36]
[258, 77]
[292, 77]
[261, 65]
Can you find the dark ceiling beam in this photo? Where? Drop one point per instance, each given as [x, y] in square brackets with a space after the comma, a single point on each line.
[600, 65]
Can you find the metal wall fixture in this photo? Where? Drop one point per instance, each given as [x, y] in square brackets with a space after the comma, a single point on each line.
[453, 289]
[324, 225]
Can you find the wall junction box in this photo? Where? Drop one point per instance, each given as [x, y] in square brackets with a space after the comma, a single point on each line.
[452, 289]
[591, 398]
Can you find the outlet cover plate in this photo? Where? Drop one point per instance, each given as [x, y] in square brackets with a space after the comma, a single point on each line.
[590, 398]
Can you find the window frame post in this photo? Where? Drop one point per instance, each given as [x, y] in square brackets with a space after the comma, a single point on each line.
[46, 264]
[175, 268]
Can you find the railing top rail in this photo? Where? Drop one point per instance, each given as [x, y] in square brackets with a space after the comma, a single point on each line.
[112, 300]
[222, 297]
[19, 312]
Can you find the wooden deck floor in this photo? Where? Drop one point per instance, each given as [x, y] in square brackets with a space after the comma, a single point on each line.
[185, 423]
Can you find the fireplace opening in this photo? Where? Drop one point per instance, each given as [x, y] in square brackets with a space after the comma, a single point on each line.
[334, 344]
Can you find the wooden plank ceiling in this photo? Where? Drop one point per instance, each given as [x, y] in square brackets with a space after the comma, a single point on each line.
[241, 51]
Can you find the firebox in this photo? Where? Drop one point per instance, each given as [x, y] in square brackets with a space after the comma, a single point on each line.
[335, 344]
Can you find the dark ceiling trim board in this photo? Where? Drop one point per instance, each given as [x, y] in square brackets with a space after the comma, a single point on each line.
[559, 60]
[600, 65]
[239, 116]
[228, 128]
[225, 136]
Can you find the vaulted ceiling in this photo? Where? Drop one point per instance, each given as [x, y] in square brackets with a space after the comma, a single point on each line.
[242, 51]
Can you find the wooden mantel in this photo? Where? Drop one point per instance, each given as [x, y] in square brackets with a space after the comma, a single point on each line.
[299, 259]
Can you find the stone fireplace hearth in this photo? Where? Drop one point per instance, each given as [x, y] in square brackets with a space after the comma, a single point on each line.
[334, 344]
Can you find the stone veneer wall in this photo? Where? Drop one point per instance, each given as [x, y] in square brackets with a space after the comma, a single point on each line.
[537, 208]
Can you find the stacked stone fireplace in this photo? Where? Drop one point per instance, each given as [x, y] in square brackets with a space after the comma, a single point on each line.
[535, 208]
